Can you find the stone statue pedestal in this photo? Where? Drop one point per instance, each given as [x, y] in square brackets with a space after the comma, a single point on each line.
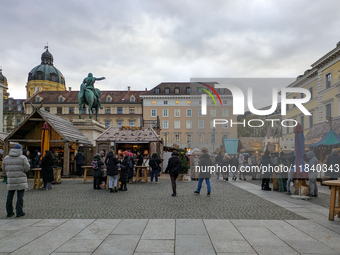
[90, 128]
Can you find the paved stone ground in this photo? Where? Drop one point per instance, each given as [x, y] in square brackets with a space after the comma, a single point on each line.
[75, 200]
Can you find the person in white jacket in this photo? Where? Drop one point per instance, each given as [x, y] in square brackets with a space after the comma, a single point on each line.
[15, 165]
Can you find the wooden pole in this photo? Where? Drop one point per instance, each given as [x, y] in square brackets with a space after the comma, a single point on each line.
[66, 159]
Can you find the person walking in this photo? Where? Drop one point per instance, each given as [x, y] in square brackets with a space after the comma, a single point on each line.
[104, 172]
[240, 165]
[313, 174]
[139, 162]
[219, 162]
[111, 163]
[125, 168]
[15, 166]
[333, 162]
[174, 167]
[291, 163]
[97, 171]
[226, 163]
[204, 174]
[47, 169]
[154, 164]
[234, 166]
[266, 161]
[253, 166]
[79, 163]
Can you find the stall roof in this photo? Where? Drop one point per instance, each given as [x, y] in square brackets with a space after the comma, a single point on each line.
[62, 126]
[251, 144]
[319, 130]
[3, 136]
[129, 135]
[330, 139]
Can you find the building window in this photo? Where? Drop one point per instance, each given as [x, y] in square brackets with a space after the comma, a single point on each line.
[132, 110]
[165, 102]
[221, 90]
[177, 124]
[153, 113]
[167, 91]
[188, 90]
[83, 110]
[37, 99]
[107, 124]
[287, 131]
[311, 92]
[36, 89]
[328, 80]
[119, 123]
[19, 108]
[200, 138]
[211, 124]
[132, 123]
[177, 91]
[153, 102]
[119, 110]
[177, 102]
[47, 109]
[188, 102]
[311, 120]
[201, 124]
[18, 122]
[71, 110]
[132, 99]
[165, 124]
[177, 138]
[166, 137]
[225, 102]
[302, 95]
[177, 113]
[294, 104]
[189, 138]
[225, 125]
[157, 90]
[224, 112]
[287, 107]
[108, 99]
[60, 110]
[61, 99]
[329, 110]
[200, 113]
[189, 113]
[212, 112]
[165, 113]
[302, 121]
[94, 110]
[189, 124]
[212, 138]
[199, 91]
[107, 110]
[225, 137]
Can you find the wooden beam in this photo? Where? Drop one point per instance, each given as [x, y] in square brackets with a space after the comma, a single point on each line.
[36, 119]
[34, 141]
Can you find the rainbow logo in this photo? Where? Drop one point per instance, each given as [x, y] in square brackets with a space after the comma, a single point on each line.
[208, 92]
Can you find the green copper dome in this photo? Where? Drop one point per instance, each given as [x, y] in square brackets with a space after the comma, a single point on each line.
[46, 70]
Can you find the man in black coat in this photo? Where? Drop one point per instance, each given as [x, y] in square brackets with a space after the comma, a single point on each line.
[79, 163]
[204, 174]
[333, 164]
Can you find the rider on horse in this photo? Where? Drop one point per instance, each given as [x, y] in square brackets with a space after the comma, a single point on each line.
[89, 84]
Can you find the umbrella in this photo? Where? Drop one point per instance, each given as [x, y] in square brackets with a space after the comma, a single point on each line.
[45, 139]
[299, 166]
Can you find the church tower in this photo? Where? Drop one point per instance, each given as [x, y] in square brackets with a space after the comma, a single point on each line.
[45, 77]
[3, 80]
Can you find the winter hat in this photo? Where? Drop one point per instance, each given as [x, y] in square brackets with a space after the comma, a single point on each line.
[130, 154]
[125, 153]
[18, 146]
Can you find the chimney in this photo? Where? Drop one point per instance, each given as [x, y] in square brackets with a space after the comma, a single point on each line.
[129, 88]
[69, 89]
[146, 89]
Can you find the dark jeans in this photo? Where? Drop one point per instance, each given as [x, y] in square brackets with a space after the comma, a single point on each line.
[154, 172]
[80, 171]
[173, 183]
[96, 182]
[20, 201]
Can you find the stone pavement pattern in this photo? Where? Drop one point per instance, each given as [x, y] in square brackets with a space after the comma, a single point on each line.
[165, 236]
[73, 199]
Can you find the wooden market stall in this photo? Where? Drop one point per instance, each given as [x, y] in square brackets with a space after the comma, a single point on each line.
[64, 138]
[143, 139]
[2, 138]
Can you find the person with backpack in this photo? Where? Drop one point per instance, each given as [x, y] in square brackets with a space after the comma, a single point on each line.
[79, 163]
[234, 166]
[97, 171]
[174, 167]
[47, 169]
[125, 167]
[154, 164]
[111, 163]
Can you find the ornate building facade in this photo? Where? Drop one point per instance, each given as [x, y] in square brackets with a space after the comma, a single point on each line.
[3, 80]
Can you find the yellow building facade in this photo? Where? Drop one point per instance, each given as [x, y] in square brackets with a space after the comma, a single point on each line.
[323, 82]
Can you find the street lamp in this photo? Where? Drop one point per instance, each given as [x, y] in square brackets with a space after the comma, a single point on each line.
[214, 139]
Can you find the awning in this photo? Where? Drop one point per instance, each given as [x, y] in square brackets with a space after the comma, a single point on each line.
[230, 145]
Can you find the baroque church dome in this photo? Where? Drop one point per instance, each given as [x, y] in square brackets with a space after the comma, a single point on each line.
[46, 70]
[3, 79]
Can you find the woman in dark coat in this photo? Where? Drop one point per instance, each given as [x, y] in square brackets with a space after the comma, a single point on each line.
[154, 163]
[47, 169]
[97, 173]
[125, 168]
[174, 168]
[266, 161]
[111, 163]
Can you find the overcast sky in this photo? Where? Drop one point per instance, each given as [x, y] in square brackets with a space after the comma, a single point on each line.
[143, 43]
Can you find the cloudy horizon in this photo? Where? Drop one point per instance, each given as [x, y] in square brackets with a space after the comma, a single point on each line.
[143, 43]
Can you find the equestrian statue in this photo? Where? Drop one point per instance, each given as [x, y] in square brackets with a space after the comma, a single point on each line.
[90, 96]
